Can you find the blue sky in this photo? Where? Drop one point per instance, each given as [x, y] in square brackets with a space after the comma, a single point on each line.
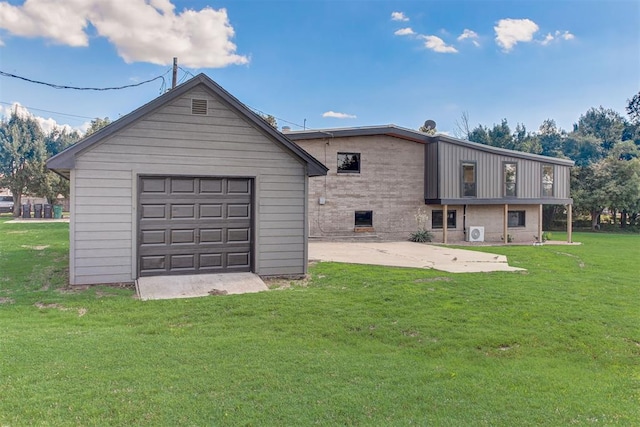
[329, 63]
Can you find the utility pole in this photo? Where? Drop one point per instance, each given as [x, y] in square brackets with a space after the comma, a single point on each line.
[175, 72]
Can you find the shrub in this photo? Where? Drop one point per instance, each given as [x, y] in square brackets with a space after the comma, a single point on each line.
[421, 236]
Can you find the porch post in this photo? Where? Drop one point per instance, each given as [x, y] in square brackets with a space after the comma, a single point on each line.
[540, 224]
[505, 224]
[569, 223]
[445, 214]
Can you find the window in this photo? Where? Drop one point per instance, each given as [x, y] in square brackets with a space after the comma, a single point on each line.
[468, 179]
[348, 162]
[436, 219]
[509, 175]
[516, 219]
[364, 219]
[547, 180]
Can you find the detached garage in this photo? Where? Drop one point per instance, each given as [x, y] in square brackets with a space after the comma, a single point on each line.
[192, 182]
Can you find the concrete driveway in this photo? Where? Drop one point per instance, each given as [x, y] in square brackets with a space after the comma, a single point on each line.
[409, 254]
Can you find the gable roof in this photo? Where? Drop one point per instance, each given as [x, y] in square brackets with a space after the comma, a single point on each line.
[419, 137]
[65, 160]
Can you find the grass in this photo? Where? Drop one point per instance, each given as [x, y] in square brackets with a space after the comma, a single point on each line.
[357, 345]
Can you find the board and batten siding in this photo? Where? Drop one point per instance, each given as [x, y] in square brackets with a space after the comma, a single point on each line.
[489, 170]
[172, 141]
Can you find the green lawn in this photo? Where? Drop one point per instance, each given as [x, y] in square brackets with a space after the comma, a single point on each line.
[357, 345]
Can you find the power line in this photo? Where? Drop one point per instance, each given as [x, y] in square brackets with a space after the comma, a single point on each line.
[48, 111]
[56, 86]
[186, 71]
[162, 89]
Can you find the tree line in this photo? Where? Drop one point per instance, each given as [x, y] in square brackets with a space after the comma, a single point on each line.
[24, 150]
[605, 146]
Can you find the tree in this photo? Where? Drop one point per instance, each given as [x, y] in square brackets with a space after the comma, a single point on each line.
[551, 139]
[525, 141]
[480, 134]
[56, 141]
[589, 189]
[463, 129]
[583, 149]
[624, 186]
[633, 109]
[269, 119]
[500, 136]
[96, 125]
[22, 157]
[606, 125]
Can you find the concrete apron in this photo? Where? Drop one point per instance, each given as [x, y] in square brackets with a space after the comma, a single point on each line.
[409, 254]
[198, 285]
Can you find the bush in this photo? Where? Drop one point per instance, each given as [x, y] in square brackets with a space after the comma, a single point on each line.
[421, 236]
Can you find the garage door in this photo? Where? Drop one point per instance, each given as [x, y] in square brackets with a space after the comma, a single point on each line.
[190, 225]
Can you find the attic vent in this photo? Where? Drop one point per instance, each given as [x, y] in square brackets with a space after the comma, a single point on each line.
[199, 107]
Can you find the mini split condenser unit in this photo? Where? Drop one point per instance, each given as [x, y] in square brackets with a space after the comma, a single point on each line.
[475, 234]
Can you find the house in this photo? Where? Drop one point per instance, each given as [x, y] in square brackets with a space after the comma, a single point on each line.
[192, 182]
[385, 180]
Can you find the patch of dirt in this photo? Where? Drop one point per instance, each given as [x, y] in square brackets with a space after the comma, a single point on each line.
[6, 300]
[81, 311]
[35, 248]
[280, 283]
[433, 279]
[18, 232]
[102, 294]
[217, 292]
[74, 289]
[42, 305]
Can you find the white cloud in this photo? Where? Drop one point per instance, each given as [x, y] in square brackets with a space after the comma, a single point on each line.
[436, 44]
[471, 35]
[47, 125]
[404, 32]
[510, 32]
[141, 30]
[547, 39]
[566, 35]
[399, 16]
[338, 115]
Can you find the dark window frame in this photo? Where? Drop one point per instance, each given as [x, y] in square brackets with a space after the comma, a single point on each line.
[505, 184]
[348, 171]
[367, 224]
[463, 188]
[437, 219]
[520, 217]
[543, 186]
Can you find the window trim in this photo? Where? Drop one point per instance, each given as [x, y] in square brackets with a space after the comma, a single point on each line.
[553, 181]
[522, 214]
[504, 180]
[452, 212]
[473, 163]
[338, 170]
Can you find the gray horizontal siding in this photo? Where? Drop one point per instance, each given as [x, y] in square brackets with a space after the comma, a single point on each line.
[171, 141]
[280, 270]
